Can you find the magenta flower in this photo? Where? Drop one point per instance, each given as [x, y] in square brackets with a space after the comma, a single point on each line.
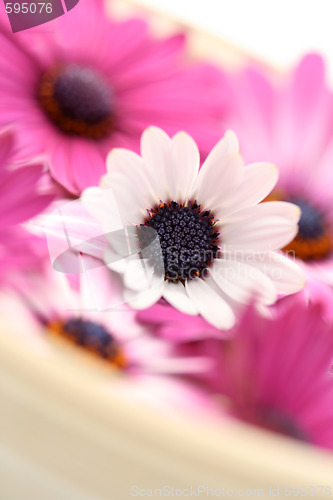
[19, 200]
[276, 373]
[92, 84]
[290, 124]
[146, 367]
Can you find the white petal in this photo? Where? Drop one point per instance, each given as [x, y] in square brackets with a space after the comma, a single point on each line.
[102, 205]
[133, 201]
[259, 180]
[243, 282]
[287, 276]
[124, 161]
[173, 163]
[230, 142]
[112, 262]
[154, 144]
[289, 211]
[138, 274]
[268, 226]
[212, 307]
[184, 166]
[156, 153]
[220, 174]
[270, 233]
[145, 299]
[175, 294]
[130, 179]
[132, 167]
[70, 227]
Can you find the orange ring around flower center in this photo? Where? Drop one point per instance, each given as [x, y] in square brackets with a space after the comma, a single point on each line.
[306, 249]
[68, 124]
[116, 357]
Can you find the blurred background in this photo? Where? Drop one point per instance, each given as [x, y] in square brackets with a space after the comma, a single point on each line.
[277, 32]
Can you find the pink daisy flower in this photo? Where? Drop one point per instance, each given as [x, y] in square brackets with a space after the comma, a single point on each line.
[92, 84]
[291, 124]
[276, 373]
[215, 245]
[20, 200]
[148, 368]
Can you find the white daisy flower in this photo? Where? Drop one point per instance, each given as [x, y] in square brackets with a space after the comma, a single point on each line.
[216, 242]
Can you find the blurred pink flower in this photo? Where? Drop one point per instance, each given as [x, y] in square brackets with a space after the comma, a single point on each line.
[19, 201]
[113, 334]
[291, 124]
[276, 373]
[92, 84]
[148, 368]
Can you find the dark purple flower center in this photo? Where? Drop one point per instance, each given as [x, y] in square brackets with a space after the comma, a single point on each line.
[314, 240]
[311, 224]
[188, 239]
[277, 421]
[92, 336]
[79, 100]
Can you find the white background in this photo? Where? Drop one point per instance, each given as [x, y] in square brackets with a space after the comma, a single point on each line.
[277, 31]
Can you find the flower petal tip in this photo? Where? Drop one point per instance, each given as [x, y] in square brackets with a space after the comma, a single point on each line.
[231, 141]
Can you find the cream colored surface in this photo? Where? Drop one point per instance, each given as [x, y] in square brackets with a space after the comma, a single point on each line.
[62, 436]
